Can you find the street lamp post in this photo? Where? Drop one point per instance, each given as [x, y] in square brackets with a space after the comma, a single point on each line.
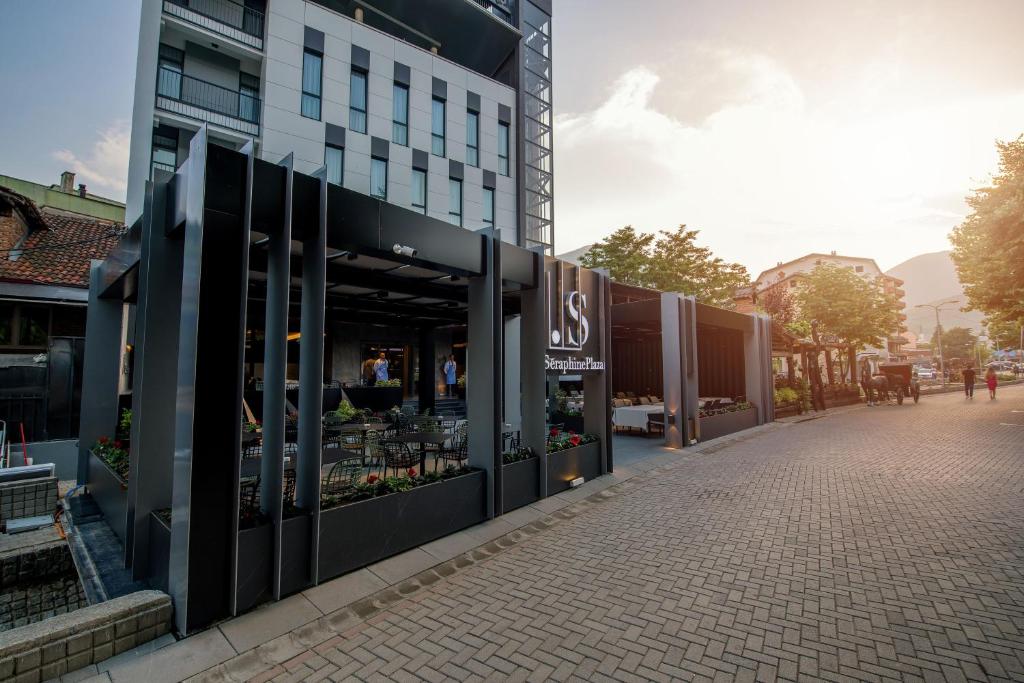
[938, 332]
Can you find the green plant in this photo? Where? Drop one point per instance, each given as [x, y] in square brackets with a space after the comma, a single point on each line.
[517, 455]
[389, 382]
[346, 411]
[462, 381]
[252, 427]
[126, 420]
[113, 453]
[786, 395]
[560, 441]
[375, 486]
[731, 408]
[561, 400]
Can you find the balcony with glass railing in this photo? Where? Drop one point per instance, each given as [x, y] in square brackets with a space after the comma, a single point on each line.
[205, 101]
[224, 17]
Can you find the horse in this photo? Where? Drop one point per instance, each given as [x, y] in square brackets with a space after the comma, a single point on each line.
[879, 386]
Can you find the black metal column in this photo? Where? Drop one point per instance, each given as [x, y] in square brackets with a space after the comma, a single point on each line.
[428, 370]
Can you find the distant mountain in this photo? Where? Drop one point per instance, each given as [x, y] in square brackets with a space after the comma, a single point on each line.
[930, 279]
[575, 255]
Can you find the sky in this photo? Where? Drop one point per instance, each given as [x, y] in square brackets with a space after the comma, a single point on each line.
[775, 128]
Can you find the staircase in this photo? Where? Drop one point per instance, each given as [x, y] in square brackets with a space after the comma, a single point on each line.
[443, 406]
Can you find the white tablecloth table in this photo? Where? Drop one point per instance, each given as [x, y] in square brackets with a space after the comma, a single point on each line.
[635, 416]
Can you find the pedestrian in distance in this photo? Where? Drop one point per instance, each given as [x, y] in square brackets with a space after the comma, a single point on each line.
[865, 382]
[991, 380]
[380, 368]
[450, 378]
[969, 382]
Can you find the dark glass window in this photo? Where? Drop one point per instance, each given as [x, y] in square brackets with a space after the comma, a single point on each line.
[400, 115]
[472, 138]
[357, 101]
[334, 160]
[419, 190]
[437, 127]
[312, 84]
[503, 149]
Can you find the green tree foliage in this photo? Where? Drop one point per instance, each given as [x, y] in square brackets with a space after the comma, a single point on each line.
[1005, 333]
[847, 306]
[957, 342]
[988, 247]
[670, 262]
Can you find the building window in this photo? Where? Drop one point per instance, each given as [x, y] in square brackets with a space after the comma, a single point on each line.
[170, 65]
[165, 150]
[24, 326]
[312, 81]
[455, 201]
[400, 115]
[488, 207]
[472, 138]
[334, 160]
[503, 147]
[357, 102]
[419, 190]
[437, 126]
[379, 178]
[248, 97]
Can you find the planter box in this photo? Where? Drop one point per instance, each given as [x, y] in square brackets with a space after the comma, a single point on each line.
[374, 399]
[520, 484]
[573, 423]
[787, 410]
[110, 494]
[844, 398]
[295, 553]
[358, 534]
[727, 423]
[159, 552]
[255, 566]
[564, 466]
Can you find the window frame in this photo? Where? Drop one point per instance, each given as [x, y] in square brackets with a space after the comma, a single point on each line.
[504, 139]
[15, 321]
[397, 125]
[452, 183]
[488, 203]
[317, 96]
[341, 170]
[474, 159]
[443, 137]
[354, 110]
[374, 163]
[417, 173]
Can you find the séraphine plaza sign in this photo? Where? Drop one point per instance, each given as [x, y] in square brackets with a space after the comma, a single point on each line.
[573, 311]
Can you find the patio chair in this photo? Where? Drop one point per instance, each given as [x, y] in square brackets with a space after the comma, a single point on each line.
[644, 401]
[397, 456]
[371, 449]
[656, 423]
[342, 476]
[458, 450]
[352, 440]
[249, 500]
[288, 489]
[620, 394]
[252, 446]
[332, 431]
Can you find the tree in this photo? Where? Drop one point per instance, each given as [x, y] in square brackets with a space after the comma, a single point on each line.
[957, 342]
[847, 306]
[679, 265]
[777, 302]
[1005, 333]
[988, 247]
[625, 254]
[670, 262]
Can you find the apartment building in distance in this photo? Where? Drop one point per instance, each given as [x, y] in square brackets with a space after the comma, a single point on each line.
[791, 273]
[439, 106]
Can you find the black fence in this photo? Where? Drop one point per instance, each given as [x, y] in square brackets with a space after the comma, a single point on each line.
[44, 400]
[196, 92]
[217, 13]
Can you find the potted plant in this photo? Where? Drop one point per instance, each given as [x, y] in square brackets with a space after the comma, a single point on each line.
[378, 398]
[520, 478]
[108, 482]
[460, 387]
[571, 455]
[787, 402]
[726, 420]
[388, 515]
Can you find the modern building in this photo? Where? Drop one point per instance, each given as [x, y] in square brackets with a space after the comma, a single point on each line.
[791, 273]
[441, 107]
[48, 238]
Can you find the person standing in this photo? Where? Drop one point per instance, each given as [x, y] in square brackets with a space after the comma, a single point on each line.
[991, 380]
[865, 382]
[969, 382]
[380, 368]
[450, 379]
[368, 371]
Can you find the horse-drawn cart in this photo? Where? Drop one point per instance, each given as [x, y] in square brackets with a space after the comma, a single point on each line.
[898, 378]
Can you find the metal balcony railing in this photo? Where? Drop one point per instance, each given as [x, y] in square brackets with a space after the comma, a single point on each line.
[225, 17]
[200, 99]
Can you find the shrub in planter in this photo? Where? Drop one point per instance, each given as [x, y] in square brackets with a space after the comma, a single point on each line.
[560, 441]
[114, 454]
[520, 479]
[731, 408]
[375, 486]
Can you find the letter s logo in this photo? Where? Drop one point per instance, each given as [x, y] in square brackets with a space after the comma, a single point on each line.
[575, 311]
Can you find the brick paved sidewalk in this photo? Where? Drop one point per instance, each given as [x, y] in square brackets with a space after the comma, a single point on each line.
[882, 544]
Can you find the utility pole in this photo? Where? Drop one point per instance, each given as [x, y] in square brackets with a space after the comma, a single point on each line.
[938, 332]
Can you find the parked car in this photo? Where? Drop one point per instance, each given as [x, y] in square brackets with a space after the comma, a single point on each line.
[926, 372]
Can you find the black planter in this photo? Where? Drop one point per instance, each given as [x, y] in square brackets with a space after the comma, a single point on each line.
[255, 565]
[110, 494]
[724, 424]
[520, 484]
[159, 551]
[787, 410]
[374, 399]
[358, 534]
[572, 423]
[295, 553]
[564, 466]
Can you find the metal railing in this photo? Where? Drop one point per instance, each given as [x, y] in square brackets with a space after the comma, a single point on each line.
[24, 411]
[198, 93]
[216, 15]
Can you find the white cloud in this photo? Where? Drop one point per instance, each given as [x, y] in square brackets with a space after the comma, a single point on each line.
[104, 167]
[765, 175]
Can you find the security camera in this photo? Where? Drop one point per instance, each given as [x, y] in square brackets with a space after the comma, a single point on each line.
[404, 251]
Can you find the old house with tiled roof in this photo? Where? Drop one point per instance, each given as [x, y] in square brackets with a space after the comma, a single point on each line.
[45, 253]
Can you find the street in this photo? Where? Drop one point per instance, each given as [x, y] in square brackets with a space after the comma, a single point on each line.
[875, 544]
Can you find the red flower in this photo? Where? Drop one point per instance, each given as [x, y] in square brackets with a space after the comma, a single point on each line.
[571, 432]
[103, 440]
[554, 431]
[575, 440]
[371, 479]
[411, 472]
[117, 444]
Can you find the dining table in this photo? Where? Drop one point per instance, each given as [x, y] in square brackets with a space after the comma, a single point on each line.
[422, 439]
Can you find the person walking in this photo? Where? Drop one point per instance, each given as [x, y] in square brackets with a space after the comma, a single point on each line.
[450, 379]
[969, 382]
[865, 382]
[991, 380]
[380, 368]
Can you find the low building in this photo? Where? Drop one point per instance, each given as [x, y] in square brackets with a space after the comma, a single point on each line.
[48, 238]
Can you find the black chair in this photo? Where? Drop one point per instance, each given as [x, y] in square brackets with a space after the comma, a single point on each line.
[249, 501]
[342, 476]
[252, 445]
[288, 494]
[397, 456]
[656, 423]
[456, 451]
